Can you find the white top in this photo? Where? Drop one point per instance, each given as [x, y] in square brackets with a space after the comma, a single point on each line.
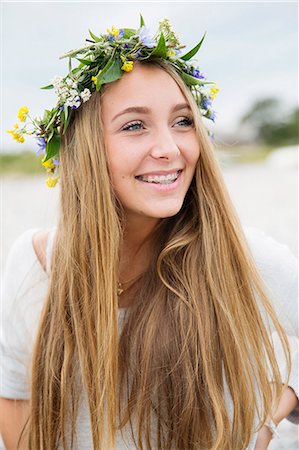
[25, 286]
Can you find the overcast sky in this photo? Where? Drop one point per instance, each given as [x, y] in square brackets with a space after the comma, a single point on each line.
[250, 49]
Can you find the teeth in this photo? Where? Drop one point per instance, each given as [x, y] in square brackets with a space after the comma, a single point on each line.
[163, 179]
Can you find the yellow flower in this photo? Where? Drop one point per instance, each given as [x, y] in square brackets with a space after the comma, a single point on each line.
[114, 31]
[214, 91]
[17, 135]
[48, 164]
[171, 53]
[94, 79]
[51, 182]
[22, 114]
[127, 66]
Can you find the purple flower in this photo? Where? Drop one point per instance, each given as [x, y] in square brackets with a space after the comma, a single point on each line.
[120, 34]
[211, 136]
[41, 143]
[145, 37]
[110, 38]
[137, 53]
[206, 102]
[211, 115]
[76, 104]
[55, 161]
[197, 74]
[61, 107]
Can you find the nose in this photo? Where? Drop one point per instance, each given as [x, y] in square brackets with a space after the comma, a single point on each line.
[164, 146]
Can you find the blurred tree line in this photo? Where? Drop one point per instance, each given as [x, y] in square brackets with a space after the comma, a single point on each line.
[272, 125]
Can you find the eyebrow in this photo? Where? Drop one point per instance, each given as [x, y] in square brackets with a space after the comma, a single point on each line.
[145, 110]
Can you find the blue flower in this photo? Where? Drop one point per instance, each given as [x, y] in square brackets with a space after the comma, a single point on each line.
[110, 38]
[206, 102]
[76, 104]
[211, 115]
[55, 161]
[120, 34]
[197, 74]
[41, 143]
[137, 53]
[145, 38]
[211, 136]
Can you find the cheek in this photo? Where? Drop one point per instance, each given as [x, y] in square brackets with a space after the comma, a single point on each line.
[124, 156]
[192, 151]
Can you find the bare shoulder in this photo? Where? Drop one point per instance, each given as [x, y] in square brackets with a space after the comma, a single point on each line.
[39, 242]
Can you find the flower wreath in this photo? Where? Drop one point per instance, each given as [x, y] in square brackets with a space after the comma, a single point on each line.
[105, 59]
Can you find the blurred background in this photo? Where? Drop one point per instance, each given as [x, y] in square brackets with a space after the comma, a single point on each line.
[250, 50]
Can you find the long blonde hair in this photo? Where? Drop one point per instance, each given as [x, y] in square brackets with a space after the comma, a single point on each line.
[197, 316]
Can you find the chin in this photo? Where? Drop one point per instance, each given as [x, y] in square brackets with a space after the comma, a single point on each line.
[167, 212]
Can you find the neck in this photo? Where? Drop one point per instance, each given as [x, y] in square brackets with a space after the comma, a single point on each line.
[136, 247]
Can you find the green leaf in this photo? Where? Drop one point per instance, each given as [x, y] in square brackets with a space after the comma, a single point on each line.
[53, 146]
[65, 116]
[94, 37]
[50, 86]
[142, 23]
[161, 49]
[85, 62]
[75, 70]
[47, 115]
[193, 52]
[111, 72]
[190, 80]
[128, 32]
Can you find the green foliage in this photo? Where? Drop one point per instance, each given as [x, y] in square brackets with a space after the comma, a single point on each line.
[53, 146]
[111, 72]
[161, 49]
[142, 23]
[20, 163]
[49, 86]
[272, 125]
[194, 50]
[94, 37]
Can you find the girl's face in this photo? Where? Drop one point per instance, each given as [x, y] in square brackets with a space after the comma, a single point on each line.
[151, 144]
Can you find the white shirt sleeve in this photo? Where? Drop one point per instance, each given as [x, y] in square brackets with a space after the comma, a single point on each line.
[24, 288]
[279, 270]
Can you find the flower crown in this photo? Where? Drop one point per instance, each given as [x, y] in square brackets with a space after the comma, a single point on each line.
[105, 59]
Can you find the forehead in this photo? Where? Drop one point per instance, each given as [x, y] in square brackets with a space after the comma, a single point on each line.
[146, 86]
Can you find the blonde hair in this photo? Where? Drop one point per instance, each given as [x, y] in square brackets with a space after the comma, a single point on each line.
[203, 283]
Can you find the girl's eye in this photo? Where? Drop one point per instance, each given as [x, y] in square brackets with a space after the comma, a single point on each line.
[185, 122]
[133, 126]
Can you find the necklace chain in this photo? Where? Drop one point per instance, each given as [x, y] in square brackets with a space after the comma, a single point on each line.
[120, 285]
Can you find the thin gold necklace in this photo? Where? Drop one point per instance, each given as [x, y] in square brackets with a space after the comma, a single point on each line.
[120, 285]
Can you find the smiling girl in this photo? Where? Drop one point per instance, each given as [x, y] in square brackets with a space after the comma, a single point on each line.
[148, 318]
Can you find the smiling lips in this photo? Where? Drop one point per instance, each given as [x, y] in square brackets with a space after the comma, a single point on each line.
[168, 178]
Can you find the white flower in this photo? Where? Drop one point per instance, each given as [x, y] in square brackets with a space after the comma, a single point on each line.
[62, 92]
[73, 102]
[71, 83]
[73, 92]
[57, 82]
[85, 95]
[204, 92]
